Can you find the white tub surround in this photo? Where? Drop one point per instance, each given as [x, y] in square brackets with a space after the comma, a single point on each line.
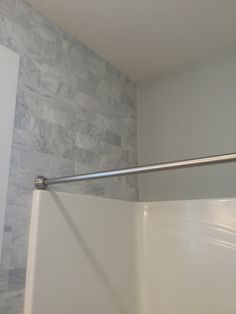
[96, 255]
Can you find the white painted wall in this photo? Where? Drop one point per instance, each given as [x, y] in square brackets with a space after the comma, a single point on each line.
[94, 255]
[9, 62]
[189, 113]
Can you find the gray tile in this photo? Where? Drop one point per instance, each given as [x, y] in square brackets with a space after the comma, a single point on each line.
[7, 7]
[87, 87]
[81, 155]
[6, 261]
[112, 125]
[15, 160]
[7, 228]
[18, 120]
[11, 302]
[3, 281]
[19, 246]
[61, 167]
[36, 161]
[16, 214]
[16, 279]
[112, 138]
[128, 100]
[53, 115]
[97, 133]
[22, 177]
[68, 91]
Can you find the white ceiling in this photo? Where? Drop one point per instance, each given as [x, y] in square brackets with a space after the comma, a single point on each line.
[145, 37]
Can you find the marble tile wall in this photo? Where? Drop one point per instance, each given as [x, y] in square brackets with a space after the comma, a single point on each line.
[75, 113]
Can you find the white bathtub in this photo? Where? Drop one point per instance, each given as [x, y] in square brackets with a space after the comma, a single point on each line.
[93, 255]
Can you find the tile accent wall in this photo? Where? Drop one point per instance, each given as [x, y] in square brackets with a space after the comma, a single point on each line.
[75, 113]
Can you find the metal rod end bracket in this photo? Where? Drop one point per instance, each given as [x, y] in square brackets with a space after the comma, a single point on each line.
[39, 183]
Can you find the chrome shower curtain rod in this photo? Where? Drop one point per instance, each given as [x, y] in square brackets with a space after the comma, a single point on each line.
[42, 183]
